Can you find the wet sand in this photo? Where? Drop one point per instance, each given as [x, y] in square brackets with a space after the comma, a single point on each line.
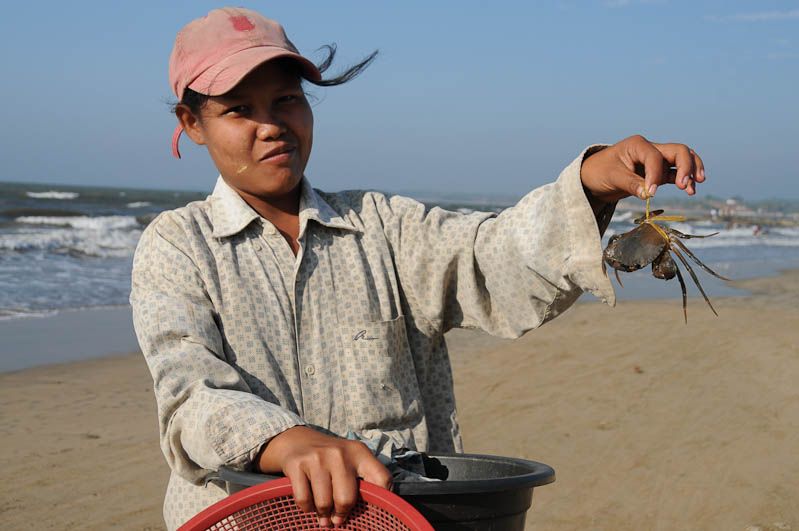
[65, 336]
[649, 423]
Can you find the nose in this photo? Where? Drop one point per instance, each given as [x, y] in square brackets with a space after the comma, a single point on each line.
[270, 127]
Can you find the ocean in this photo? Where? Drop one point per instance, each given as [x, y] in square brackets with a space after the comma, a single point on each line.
[68, 248]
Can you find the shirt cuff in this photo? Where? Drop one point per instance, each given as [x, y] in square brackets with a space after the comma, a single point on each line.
[238, 431]
[585, 265]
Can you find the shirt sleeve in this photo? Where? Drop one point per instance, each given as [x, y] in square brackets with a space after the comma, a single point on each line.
[207, 414]
[506, 273]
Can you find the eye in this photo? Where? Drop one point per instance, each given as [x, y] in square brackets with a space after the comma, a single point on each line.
[240, 110]
[288, 99]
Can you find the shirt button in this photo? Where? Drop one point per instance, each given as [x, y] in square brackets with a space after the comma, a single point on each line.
[270, 230]
[256, 246]
[309, 370]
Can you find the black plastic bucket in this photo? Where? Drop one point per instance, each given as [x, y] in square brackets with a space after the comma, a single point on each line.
[476, 492]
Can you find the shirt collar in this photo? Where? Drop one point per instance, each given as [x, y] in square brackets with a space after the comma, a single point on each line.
[314, 207]
[231, 214]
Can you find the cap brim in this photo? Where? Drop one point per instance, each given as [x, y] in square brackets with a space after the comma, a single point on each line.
[227, 73]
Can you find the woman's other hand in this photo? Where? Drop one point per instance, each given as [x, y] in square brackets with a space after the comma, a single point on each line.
[323, 470]
[637, 167]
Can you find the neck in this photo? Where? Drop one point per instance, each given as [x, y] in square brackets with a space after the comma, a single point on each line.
[282, 212]
[275, 207]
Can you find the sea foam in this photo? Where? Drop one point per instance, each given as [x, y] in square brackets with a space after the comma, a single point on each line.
[53, 194]
[82, 222]
[101, 236]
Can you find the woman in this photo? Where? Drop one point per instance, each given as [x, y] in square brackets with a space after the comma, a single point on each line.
[275, 318]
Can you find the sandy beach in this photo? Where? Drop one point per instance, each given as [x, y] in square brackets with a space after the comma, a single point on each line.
[649, 423]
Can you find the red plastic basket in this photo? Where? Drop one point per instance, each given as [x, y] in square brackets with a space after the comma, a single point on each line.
[271, 506]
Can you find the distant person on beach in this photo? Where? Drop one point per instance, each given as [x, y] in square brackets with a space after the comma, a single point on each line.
[276, 319]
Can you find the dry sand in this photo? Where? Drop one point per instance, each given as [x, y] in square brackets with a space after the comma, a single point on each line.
[649, 423]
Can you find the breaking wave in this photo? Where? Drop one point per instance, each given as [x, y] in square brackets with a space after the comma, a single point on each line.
[102, 236]
[53, 194]
[98, 223]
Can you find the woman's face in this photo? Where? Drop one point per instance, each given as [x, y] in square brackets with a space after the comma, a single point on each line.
[259, 134]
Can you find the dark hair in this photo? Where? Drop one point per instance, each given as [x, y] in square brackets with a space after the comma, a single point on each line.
[195, 101]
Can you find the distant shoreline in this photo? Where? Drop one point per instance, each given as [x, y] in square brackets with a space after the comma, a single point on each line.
[66, 336]
[730, 212]
[789, 208]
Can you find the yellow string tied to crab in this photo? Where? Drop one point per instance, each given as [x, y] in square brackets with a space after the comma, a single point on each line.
[650, 219]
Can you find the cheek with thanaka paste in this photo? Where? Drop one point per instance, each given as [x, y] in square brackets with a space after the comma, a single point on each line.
[242, 169]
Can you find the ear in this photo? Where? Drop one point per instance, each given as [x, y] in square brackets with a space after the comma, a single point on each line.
[191, 123]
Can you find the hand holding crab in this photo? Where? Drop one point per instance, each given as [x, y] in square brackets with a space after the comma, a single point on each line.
[637, 167]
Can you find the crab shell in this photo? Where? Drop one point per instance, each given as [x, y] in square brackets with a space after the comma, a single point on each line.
[635, 249]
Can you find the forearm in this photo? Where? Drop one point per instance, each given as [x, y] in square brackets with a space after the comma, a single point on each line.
[323, 469]
[504, 274]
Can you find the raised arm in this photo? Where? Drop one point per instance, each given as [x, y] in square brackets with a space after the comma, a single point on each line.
[510, 273]
[506, 273]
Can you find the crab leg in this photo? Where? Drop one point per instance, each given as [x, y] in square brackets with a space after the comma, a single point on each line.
[656, 215]
[695, 259]
[693, 276]
[666, 218]
[689, 236]
[684, 296]
[647, 216]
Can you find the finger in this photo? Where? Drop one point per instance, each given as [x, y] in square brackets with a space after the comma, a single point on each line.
[373, 471]
[676, 158]
[690, 179]
[684, 163]
[690, 188]
[654, 169]
[345, 494]
[302, 490]
[700, 167]
[684, 157]
[322, 488]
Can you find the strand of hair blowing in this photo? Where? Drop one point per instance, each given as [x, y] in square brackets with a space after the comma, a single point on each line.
[348, 75]
[195, 101]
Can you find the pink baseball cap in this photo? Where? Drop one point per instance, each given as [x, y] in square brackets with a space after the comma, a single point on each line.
[213, 53]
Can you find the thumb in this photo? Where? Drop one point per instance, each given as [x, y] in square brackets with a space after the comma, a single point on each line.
[633, 184]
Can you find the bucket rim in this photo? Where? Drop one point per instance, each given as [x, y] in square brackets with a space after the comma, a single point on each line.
[537, 474]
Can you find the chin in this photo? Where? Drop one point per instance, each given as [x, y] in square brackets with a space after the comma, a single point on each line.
[280, 189]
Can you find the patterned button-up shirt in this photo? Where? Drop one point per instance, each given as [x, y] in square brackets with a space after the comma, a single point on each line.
[245, 340]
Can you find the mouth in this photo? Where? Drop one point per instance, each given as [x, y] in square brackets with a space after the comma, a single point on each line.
[278, 155]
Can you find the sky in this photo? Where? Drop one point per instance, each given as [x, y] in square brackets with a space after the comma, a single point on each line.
[466, 97]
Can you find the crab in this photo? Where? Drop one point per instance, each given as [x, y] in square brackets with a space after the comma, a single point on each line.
[652, 243]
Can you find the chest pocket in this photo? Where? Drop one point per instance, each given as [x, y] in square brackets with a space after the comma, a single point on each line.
[378, 376]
